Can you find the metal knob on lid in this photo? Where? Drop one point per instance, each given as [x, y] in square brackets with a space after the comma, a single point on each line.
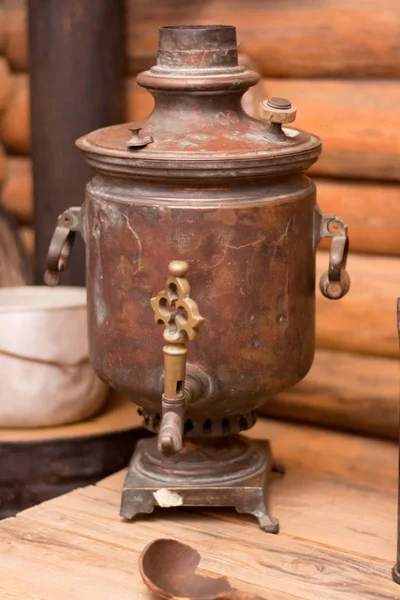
[278, 111]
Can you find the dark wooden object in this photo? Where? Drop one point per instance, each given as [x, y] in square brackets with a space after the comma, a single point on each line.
[39, 464]
[76, 66]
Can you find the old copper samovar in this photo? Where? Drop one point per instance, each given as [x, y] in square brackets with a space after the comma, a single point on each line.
[200, 192]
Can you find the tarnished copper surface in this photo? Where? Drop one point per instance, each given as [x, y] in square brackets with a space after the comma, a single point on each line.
[201, 181]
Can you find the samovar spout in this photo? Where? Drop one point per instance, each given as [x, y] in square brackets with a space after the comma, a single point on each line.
[174, 308]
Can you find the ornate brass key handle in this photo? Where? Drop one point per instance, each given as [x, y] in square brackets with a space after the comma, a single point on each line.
[174, 308]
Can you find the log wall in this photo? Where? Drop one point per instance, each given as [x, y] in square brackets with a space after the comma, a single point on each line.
[339, 62]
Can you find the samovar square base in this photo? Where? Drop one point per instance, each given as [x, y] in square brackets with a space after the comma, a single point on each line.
[246, 489]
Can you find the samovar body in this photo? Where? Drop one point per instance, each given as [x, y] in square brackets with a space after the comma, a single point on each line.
[201, 187]
[251, 251]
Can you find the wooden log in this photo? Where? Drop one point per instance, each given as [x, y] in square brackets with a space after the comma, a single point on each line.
[294, 39]
[3, 28]
[3, 166]
[364, 321]
[15, 119]
[358, 122]
[16, 48]
[65, 457]
[336, 38]
[370, 209]
[6, 81]
[349, 392]
[15, 268]
[17, 192]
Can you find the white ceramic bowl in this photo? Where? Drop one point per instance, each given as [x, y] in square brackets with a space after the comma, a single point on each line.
[45, 375]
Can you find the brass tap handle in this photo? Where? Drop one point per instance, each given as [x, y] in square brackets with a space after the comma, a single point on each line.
[174, 308]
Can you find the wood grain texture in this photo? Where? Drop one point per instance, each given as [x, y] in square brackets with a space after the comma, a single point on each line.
[79, 538]
[17, 192]
[15, 268]
[358, 122]
[348, 392]
[339, 38]
[364, 321]
[3, 167]
[3, 28]
[232, 546]
[291, 39]
[6, 80]
[370, 209]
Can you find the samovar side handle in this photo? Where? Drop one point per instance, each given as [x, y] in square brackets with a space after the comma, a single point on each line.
[68, 223]
[180, 315]
[334, 283]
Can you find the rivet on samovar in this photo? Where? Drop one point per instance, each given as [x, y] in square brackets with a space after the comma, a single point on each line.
[201, 192]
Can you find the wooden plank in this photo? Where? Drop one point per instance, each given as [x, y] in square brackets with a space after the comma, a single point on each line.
[338, 38]
[284, 562]
[358, 122]
[364, 321]
[370, 209]
[76, 566]
[17, 192]
[349, 392]
[42, 563]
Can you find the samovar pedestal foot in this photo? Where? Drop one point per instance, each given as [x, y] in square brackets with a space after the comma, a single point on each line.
[232, 471]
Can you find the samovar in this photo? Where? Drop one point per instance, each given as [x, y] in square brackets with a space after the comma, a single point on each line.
[201, 192]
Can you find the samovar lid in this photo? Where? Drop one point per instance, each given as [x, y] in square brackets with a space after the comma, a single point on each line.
[198, 128]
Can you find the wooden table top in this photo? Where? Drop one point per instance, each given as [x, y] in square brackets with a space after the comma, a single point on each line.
[336, 505]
